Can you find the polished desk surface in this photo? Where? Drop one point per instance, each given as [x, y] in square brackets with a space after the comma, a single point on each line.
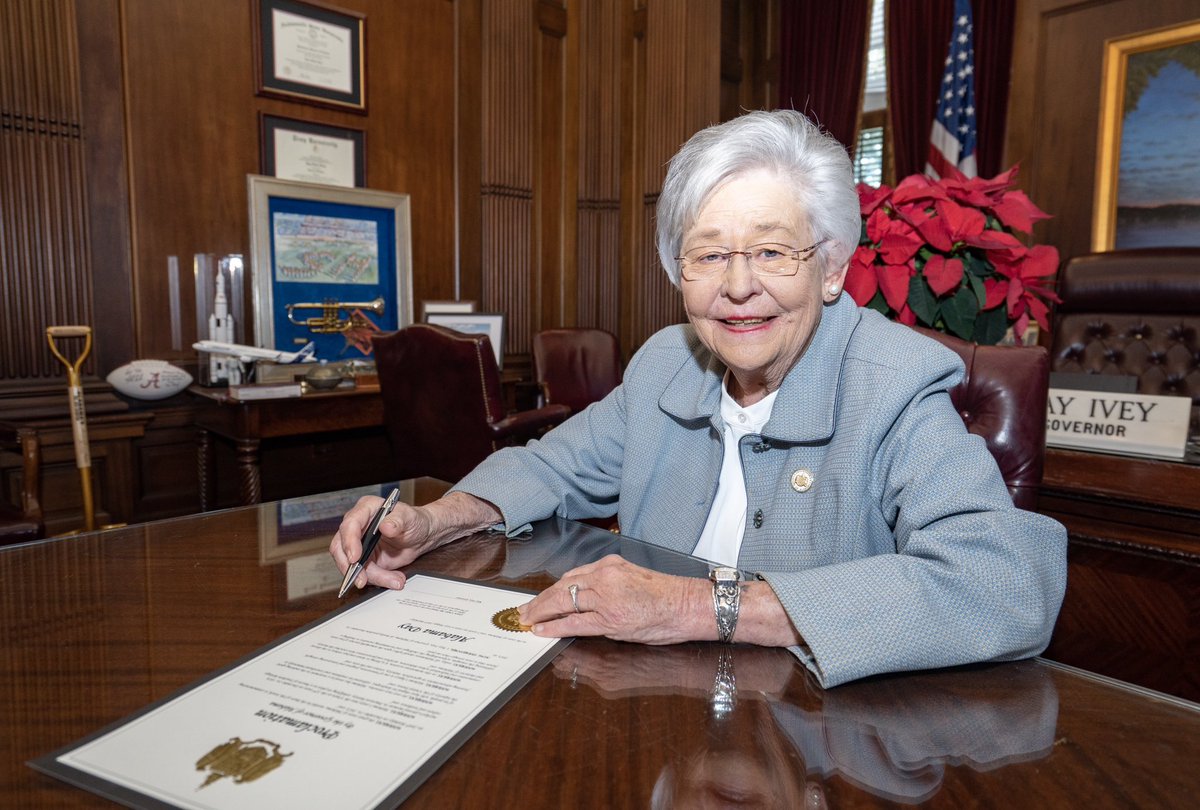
[96, 627]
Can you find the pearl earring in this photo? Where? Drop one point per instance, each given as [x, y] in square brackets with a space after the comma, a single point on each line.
[833, 290]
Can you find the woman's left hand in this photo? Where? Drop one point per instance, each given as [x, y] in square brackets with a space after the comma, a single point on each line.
[625, 602]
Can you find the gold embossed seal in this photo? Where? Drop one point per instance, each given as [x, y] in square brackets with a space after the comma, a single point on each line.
[509, 620]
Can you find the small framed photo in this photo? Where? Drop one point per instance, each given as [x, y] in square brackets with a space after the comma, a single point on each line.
[485, 323]
[331, 265]
[312, 153]
[312, 52]
[441, 307]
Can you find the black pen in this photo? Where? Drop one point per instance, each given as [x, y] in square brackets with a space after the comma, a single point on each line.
[370, 539]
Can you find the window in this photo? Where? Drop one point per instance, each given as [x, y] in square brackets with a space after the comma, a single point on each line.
[872, 157]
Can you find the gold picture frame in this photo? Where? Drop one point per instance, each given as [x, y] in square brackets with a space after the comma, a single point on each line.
[1114, 106]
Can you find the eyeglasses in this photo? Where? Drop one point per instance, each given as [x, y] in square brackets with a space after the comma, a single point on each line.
[767, 259]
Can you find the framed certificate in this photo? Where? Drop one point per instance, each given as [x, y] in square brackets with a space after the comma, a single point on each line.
[312, 153]
[356, 710]
[312, 52]
[327, 264]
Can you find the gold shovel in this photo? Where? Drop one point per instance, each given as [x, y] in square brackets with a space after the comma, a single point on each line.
[83, 456]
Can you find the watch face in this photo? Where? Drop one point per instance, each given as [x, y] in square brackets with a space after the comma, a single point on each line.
[724, 575]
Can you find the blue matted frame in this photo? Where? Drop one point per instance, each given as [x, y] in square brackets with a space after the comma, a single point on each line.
[379, 220]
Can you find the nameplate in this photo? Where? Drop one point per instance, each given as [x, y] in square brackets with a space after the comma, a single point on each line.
[1138, 424]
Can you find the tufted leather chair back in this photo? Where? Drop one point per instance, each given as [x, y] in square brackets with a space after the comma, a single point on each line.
[1003, 399]
[442, 401]
[576, 367]
[1134, 312]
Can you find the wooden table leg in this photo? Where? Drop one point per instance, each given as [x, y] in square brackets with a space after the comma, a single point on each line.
[204, 461]
[250, 471]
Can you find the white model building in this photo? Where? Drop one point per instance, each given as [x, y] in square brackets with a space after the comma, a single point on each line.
[220, 329]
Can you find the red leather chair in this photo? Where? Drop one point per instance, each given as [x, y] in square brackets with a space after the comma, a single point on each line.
[1003, 399]
[442, 402]
[576, 367]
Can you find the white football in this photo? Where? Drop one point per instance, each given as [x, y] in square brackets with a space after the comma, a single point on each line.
[149, 379]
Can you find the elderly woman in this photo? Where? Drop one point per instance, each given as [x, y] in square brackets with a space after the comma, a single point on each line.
[782, 431]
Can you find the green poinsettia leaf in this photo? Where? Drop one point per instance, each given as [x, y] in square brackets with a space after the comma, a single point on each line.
[974, 265]
[921, 300]
[959, 313]
[977, 287]
[878, 304]
[991, 325]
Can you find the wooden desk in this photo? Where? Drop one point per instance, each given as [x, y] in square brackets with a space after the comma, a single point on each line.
[1132, 608]
[96, 627]
[250, 423]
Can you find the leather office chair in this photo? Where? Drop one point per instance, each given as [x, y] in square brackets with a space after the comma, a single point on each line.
[1133, 312]
[1003, 399]
[576, 367]
[442, 403]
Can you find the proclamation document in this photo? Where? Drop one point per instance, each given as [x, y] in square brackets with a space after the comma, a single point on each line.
[354, 711]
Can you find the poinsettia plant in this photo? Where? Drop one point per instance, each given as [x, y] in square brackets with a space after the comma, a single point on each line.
[942, 253]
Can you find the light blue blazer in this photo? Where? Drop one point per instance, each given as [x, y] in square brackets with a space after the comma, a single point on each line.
[905, 553]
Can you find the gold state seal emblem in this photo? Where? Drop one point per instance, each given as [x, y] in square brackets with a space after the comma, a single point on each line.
[510, 621]
[243, 761]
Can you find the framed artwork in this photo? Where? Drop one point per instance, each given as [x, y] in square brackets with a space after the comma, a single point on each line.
[312, 52]
[328, 264]
[438, 307]
[485, 323]
[312, 153]
[1147, 176]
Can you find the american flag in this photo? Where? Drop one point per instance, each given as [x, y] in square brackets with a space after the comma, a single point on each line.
[952, 138]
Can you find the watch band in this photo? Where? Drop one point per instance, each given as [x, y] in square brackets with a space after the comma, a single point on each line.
[726, 601]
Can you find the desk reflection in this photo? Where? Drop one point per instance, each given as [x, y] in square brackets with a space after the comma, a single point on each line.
[893, 737]
[95, 627]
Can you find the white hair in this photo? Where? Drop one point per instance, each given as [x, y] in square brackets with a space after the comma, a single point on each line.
[784, 141]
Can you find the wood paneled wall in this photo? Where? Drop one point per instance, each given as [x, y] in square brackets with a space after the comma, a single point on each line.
[1054, 106]
[45, 264]
[532, 136]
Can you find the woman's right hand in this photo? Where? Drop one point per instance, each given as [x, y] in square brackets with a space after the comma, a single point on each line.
[405, 534]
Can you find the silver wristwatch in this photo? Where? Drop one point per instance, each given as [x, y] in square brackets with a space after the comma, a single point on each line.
[726, 601]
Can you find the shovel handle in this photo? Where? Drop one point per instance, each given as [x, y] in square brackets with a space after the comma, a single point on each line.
[85, 332]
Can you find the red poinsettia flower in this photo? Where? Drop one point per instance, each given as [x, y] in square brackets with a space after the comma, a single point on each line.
[1017, 211]
[897, 240]
[870, 198]
[942, 253]
[943, 274]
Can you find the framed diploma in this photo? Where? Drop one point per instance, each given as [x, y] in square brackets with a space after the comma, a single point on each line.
[354, 711]
[328, 265]
[312, 153]
[312, 52]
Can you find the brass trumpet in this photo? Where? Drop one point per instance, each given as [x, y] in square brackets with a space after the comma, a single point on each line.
[331, 320]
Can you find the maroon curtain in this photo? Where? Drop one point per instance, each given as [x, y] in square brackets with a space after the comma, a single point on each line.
[822, 55]
[993, 21]
[918, 33]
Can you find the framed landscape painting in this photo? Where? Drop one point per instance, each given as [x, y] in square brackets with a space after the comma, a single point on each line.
[1148, 167]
